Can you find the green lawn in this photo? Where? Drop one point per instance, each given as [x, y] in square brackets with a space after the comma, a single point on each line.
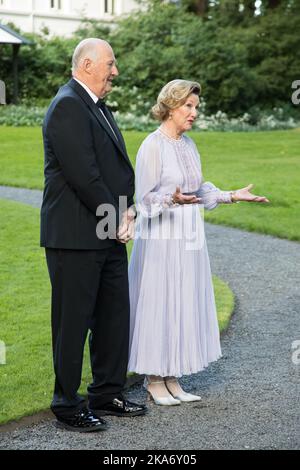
[26, 381]
[270, 160]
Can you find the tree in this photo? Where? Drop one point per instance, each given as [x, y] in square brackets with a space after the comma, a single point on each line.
[273, 3]
[242, 60]
[199, 7]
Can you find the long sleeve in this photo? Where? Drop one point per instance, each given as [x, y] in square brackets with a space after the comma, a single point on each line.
[212, 196]
[150, 202]
[73, 147]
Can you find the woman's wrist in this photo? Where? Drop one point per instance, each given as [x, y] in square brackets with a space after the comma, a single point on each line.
[173, 199]
[233, 196]
[169, 200]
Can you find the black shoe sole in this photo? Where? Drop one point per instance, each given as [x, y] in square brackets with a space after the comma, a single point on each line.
[67, 427]
[100, 413]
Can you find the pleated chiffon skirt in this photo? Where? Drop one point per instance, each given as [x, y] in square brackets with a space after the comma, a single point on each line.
[174, 328]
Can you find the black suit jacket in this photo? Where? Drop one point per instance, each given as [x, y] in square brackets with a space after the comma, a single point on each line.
[85, 166]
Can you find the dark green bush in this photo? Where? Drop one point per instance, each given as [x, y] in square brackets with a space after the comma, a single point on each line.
[243, 61]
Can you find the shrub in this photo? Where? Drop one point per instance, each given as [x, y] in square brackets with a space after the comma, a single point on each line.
[276, 119]
[242, 60]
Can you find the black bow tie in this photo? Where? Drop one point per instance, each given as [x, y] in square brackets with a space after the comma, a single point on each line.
[101, 104]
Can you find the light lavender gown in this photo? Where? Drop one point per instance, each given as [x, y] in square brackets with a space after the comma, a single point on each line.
[174, 329]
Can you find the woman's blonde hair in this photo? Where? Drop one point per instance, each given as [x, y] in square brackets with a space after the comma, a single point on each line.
[173, 95]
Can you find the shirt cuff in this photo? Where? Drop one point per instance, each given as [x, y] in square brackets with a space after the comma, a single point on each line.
[225, 197]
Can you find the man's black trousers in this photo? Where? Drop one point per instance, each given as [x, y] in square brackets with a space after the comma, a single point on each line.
[89, 293]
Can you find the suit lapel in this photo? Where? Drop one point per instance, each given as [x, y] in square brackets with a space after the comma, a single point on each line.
[120, 144]
[117, 130]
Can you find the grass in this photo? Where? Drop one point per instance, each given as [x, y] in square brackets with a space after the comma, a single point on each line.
[26, 381]
[270, 160]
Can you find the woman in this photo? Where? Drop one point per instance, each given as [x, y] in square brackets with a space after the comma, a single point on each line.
[174, 328]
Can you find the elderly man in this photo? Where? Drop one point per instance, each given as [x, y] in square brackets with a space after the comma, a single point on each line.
[87, 167]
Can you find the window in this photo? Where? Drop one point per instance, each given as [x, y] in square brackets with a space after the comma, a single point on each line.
[109, 6]
[55, 4]
[5, 3]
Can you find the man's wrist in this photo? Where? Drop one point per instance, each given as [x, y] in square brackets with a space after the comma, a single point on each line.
[131, 213]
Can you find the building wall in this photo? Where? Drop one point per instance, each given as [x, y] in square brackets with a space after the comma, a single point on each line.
[61, 17]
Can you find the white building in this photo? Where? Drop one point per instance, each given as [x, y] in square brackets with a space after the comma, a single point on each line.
[61, 17]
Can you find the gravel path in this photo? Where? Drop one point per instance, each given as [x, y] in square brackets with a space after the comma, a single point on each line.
[29, 196]
[250, 397]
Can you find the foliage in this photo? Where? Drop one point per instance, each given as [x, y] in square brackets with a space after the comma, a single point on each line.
[22, 115]
[243, 60]
[133, 119]
[240, 66]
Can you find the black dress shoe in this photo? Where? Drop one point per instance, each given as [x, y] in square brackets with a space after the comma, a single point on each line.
[120, 407]
[83, 421]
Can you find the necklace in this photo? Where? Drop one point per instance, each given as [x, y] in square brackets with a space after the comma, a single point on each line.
[169, 136]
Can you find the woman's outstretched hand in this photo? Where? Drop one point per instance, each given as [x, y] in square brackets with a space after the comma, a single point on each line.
[245, 194]
[180, 198]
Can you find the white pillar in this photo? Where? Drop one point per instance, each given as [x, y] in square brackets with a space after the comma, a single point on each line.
[32, 15]
[66, 6]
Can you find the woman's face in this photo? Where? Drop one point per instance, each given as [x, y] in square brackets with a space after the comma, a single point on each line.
[184, 116]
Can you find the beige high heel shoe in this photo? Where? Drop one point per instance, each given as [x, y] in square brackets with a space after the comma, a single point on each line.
[164, 401]
[182, 396]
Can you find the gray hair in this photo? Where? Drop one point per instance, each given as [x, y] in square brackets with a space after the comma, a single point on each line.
[86, 49]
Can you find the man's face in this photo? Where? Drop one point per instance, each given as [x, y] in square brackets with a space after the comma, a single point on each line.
[103, 71]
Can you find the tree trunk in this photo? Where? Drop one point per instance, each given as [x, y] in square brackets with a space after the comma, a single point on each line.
[273, 3]
[200, 7]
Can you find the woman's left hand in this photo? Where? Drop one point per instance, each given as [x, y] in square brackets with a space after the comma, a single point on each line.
[244, 194]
